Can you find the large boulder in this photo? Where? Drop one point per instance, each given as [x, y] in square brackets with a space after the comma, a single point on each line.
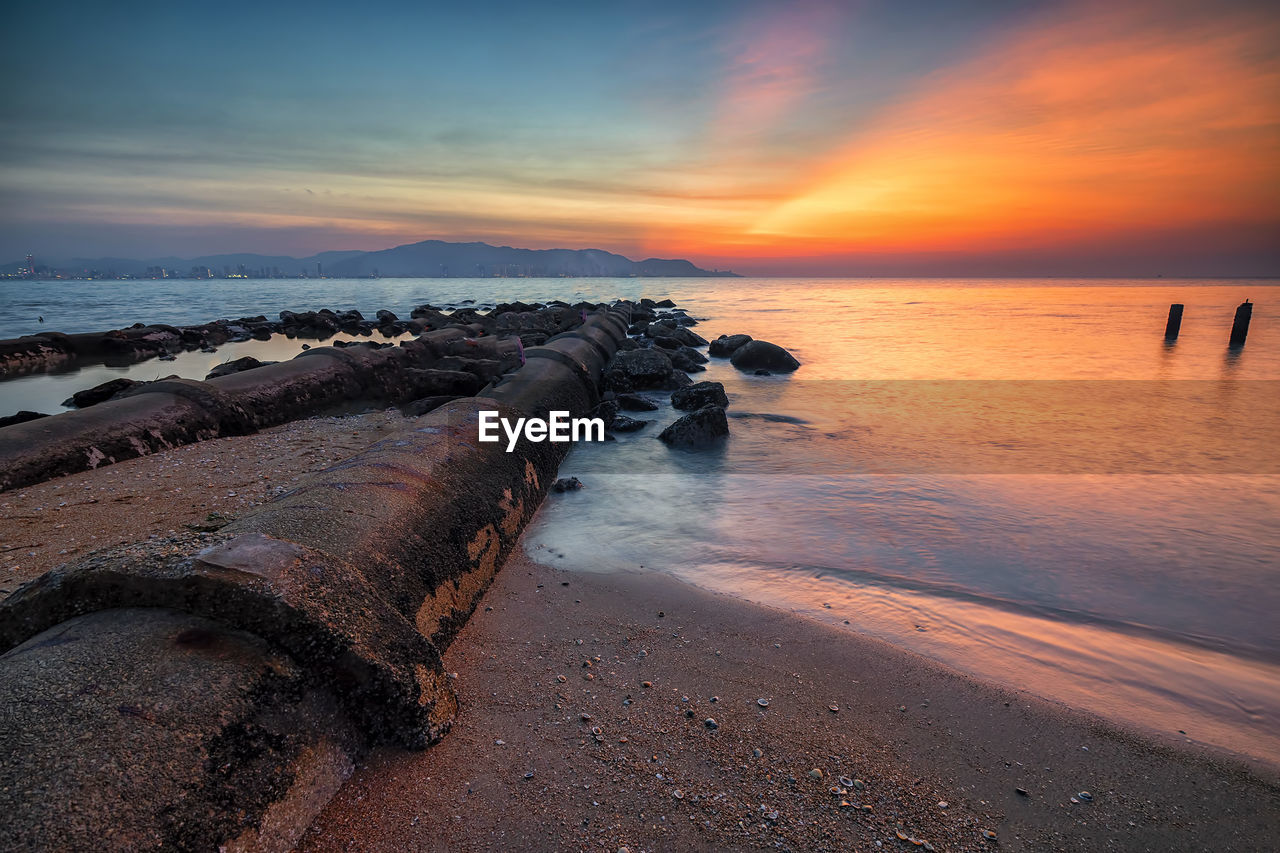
[699, 395]
[762, 355]
[637, 370]
[706, 426]
[723, 346]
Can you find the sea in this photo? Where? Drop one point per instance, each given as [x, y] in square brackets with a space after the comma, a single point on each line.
[1019, 479]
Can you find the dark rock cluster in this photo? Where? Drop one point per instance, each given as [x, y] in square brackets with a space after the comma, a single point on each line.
[534, 323]
[659, 354]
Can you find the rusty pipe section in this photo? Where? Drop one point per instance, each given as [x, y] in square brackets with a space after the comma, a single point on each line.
[255, 665]
[165, 414]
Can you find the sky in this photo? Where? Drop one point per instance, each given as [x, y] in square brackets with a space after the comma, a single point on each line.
[801, 138]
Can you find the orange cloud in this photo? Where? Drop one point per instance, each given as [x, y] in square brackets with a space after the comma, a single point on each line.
[1100, 124]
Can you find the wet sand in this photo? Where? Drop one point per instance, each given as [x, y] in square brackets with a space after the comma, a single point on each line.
[913, 734]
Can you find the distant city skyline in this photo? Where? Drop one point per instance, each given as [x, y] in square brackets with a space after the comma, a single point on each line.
[816, 138]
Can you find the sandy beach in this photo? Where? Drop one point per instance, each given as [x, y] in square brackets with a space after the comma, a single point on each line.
[552, 656]
[915, 735]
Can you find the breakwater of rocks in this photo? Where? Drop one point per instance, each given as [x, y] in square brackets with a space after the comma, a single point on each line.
[454, 355]
[50, 351]
[213, 690]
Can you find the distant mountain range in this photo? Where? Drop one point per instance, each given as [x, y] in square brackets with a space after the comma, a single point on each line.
[428, 259]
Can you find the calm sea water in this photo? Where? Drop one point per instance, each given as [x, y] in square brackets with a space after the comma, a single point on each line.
[1017, 478]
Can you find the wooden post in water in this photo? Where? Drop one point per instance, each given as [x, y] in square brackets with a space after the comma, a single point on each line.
[1240, 327]
[1175, 322]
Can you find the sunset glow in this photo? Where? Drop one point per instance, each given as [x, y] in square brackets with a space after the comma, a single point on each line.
[1053, 137]
[834, 138]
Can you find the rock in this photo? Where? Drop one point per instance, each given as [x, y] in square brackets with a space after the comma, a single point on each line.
[693, 355]
[237, 365]
[670, 329]
[667, 343]
[607, 411]
[25, 415]
[681, 361]
[697, 429]
[755, 355]
[386, 317]
[566, 484]
[666, 303]
[678, 379]
[637, 370]
[622, 423]
[689, 338]
[99, 393]
[635, 403]
[761, 372]
[698, 395]
[723, 346]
